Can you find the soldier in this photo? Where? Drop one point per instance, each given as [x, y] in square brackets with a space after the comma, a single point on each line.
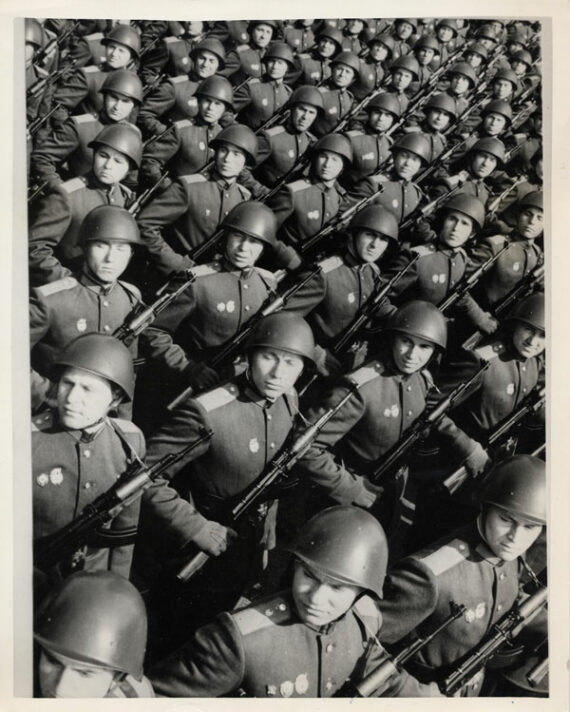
[446, 33]
[505, 85]
[404, 28]
[303, 207]
[304, 642]
[91, 631]
[300, 36]
[404, 71]
[316, 64]
[178, 50]
[476, 55]
[462, 79]
[373, 67]
[53, 237]
[260, 32]
[38, 91]
[478, 566]
[337, 99]
[70, 141]
[440, 114]
[426, 51]
[194, 205]
[78, 451]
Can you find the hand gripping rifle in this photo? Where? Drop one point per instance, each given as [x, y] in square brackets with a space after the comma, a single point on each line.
[50, 550]
[37, 87]
[35, 125]
[425, 422]
[277, 470]
[531, 404]
[146, 195]
[505, 631]
[429, 208]
[389, 667]
[54, 44]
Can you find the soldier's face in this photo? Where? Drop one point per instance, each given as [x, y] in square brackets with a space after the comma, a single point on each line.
[355, 27]
[82, 398]
[370, 245]
[261, 35]
[110, 166]
[108, 260]
[459, 83]
[401, 79]
[380, 120]
[487, 42]
[328, 165]
[444, 33]
[117, 107]
[276, 68]
[60, 676]
[473, 59]
[424, 55]
[230, 160]
[494, 124]
[211, 110]
[320, 600]
[406, 164]
[529, 223]
[303, 117]
[508, 535]
[342, 75]
[404, 30]
[274, 371]
[206, 64]
[117, 55]
[242, 250]
[195, 28]
[411, 353]
[502, 89]
[519, 68]
[438, 119]
[528, 341]
[457, 228]
[483, 164]
[378, 51]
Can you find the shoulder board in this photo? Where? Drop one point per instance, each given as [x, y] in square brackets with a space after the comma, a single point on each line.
[179, 79]
[59, 286]
[367, 608]
[378, 178]
[41, 72]
[496, 240]
[170, 40]
[445, 558]
[265, 274]
[304, 55]
[428, 378]
[70, 186]
[206, 270]
[324, 90]
[84, 118]
[275, 130]
[212, 400]
[245, 192]
[423, 250]
[367, 373]
[354, 132]
[242, 48]
[94, 37]
[488, 352]
[264, 614]
[42, 422]
[126, 426]
[131, 289]
[194, 178]
[301, 184]
[91, 69]
[183, 123]
[254, 80]
[331, 263]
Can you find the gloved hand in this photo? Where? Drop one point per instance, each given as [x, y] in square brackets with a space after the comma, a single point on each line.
[214, 538]
[201, 377]
[327, 364]
[487, 323]
[369, 496]
[478, 461]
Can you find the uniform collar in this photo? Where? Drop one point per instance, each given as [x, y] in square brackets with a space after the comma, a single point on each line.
[483, 550]
[91, 282]
[86, 435]
[221, 182]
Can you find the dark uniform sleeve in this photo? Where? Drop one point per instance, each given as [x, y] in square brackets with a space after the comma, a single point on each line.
[156, 105]
[210, 665]
[53, 151]
[50, 225]
[282, 205]
[158, 154]
[363, 189]
[72, 90]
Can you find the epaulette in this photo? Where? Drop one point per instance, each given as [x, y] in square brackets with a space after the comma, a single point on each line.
[263, 614]
[70, 186]
[446, 557]
[94, 37]
[367, 608]
[84, 118]
[365, 374]
[212, 400]
[131, 289]
[275, 130]
[378, 178]
[42, 422]
[266, 275]
[170, 40]
[242, 48]
[354, 132]
[488, 352]
[41, 72]
[126, 426]
[497, 241]
[428, 378]
[90, 69]
[331, 263]
[423, 250]
[194, 178]
[245, 192]
[206, 270]
[254, 80]
[183, 124]
[297, 185]
[59, 285]
[179, 79]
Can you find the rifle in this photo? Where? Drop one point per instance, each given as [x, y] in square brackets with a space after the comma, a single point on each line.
[38, 87]
[35, 125]
[428, 208]
[505, 631]
[531, 404]
[392, 666]
[126, 490]
[229, 350]
[278, 469]
[54, 44]
[440, 160]
[146, 195]
[519, 291]
[493, 206]
[428, 421]
[151, 86]
[157, 137]
[298, 167]
[468, 282]
[366, 311]
[37, 190]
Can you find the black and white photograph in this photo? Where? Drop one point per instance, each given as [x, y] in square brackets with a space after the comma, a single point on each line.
[286, 303]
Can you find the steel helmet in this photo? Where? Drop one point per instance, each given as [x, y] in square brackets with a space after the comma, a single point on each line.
[271, 23]
[468, 205]
[307, 94]
[97, 618]
[33, 33]
[487, 32]
[414, 143]
[346, 544]
[109, 222]
[385, 39]
[124, 82]
[211, 44]
[452, 24]
[522, 56]
[421, 319]
[331, 33]
[494, 146]
[465, 70]
[219, 88]
[280, 50]
[125, 138]
[254, 219]
[239, 136]
[477, 48]
[405, 61]
[530, 311]
[336, 143]
[509, 76]
[518, 485]
[376, 218]
[410, 20]
[349, 59]
[386, 102]
[285, 331]
[531, 200]
[101, 355]
[444, 102]
[498, 106]
[427, 42]
[127, 36]
[518, 36]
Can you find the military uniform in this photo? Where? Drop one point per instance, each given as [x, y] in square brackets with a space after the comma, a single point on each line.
[398, 195]
[174, 98]
[337, 103]
[70, 468]
[299, 38]
[370, 151]
[267, 651]
[371, 75]
[280, 149]
[314, 68]
[81, 90]
[194, 206]
[250, 64]
[259, 99]
[53, 237]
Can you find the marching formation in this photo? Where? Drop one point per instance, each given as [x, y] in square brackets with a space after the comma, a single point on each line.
[287, 325]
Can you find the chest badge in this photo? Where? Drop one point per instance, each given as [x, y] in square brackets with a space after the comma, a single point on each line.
[221, 307]
[255, 66]
[254, 447]
[81, 325]
[510, 389]
[516, 266]
[291, 153]
[42, 479]
[313, 215]
[264, 101]
[395, 203]
[438, 278]
[315, 75]
[56, 476]
[392, 412]
[231, 306]
[286, 688]
[208, 212]
[333, 110]
[302, 684]
[351, 298]
[185, 60]
[202, 146]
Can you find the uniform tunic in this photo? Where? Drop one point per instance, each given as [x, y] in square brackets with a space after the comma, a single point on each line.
[370, 151]
[280, 149]
[400, 196]
[337, 103]
[259, 99]
[174, 98]
[70, 468]
[314, 68]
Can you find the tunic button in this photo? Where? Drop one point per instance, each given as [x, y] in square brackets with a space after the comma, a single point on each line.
[106, 327]
[524, 390]
[87, 453]
[329, 648]
[523, 368]
[410, 412]
[502, 576]
[282, 607]
[87, 485]
[461, 547]
[247, 307]
[105, 303]
[246, 286]
[272, 446]
[500, 607]
[269, 416]
[408, 388]
[452, 282]
[328, 685]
